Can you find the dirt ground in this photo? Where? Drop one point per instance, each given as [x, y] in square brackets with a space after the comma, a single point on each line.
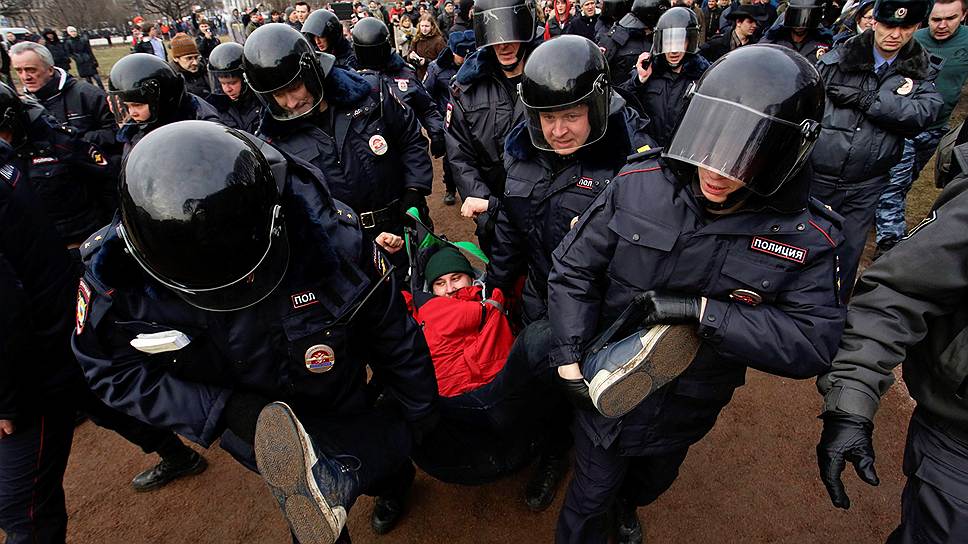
[752, 480]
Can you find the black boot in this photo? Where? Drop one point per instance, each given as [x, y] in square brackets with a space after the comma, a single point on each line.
[628, 529]
[390, 507]
[541, 488]
[170, 469]
[450, 198]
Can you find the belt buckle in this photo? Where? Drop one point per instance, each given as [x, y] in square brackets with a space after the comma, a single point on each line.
[367, 221]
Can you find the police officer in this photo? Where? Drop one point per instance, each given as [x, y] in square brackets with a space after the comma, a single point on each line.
[386, 71]
[437, 80]
[720, 235]
[908, 308]
[39, 377]
[799, 29]
[372, 151]
[484, 106]
[575, 138]
[145, 93]
[630, 36]
[880, 89]
[664, 74]
[237, 105]
[204, 316]
[323, 30]
[612, 12]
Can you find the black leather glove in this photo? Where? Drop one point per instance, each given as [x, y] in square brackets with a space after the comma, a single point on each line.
[845, 437]
[241, 413]
[438, 146]
[576, 391]
[667, 308]
[846, 96]
[413, 198]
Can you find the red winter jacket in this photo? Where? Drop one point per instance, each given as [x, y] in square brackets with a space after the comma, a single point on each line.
[469, 340]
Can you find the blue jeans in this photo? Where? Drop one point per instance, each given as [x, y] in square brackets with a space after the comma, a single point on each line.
[890, 208]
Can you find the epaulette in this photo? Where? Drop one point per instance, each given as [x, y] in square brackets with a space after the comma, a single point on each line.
[346, 214]
[644, 153]
[93, 242]
[825, 213]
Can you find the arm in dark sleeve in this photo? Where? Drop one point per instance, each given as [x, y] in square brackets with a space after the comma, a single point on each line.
[431, 120]
[576, 285]
[104, 136]
[462, 157]
[397, 350]
[139, 385]
[906, 115]
[402, 123]
[794, 336]
[922, 278]
[508, 254]
[13, 321]
[430, 84]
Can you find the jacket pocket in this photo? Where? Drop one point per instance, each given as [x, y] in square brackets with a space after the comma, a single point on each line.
[740, 273]
[316, 345]
[641, 253]
[953, 361]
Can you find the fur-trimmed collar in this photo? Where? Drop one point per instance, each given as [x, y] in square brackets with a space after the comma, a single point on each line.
[445, 60]
[858, 55]
[693, 66]
[482, 62]
[342, 88]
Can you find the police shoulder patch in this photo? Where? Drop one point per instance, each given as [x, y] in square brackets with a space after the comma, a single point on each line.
[779, 249]
[83, 301]
[9, 174]
[96, 156]
[380, 261]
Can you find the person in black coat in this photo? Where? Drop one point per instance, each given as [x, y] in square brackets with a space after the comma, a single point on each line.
[83, 55]
[743, 33]
[585, 23]
[57, 48]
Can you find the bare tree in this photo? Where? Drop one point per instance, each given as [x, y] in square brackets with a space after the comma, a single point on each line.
[173, 9]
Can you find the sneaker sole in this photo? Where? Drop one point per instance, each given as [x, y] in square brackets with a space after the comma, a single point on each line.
[668, 351]
[285, 457]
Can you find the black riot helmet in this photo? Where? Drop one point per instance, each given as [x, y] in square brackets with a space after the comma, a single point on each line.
[901, 12]
[12, 115]
[371, 43]
[677, 31]
[753, 117]
[803, 14]
[323, 23]
[644, 14]
[276, 56]
[215, 236]
[567, 71]
[145, 79]
[226, 60]
[613, 10]
[503, 21]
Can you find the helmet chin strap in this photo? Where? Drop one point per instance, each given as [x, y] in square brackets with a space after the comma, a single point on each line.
[519, 58]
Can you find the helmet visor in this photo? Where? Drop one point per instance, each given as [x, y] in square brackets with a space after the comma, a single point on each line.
[675, 40]
[118, 104]
[567, 128]
[246, 291]
[513, 24]
[758, 150]
[801, 17]
[297, 97]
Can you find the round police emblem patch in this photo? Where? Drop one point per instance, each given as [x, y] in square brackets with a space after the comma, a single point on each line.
[378, 144]
[320, 358]
[906, 87]
[899, 13]
[746, 296]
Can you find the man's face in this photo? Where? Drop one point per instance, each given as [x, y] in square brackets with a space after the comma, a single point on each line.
[258, 17]
[231, 86]
[138, 112]
[372, 6]
[588, 9]
[189, 63]
[890, 39]
[715, 187]
[449, 8]
[507, 53]
[723, 4]
[944, 20]
[203, 28]
[408, 7]
[746, 27]
[31, 70]
[72, 33]
[153, 32]
[448, 284]
[674, 58]
[302, 12]
[294, 98]
[322, 43]
[685, 3]
[566, 130]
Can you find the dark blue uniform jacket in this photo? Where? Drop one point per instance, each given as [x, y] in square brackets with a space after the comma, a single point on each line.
[545, 193]
[322, 301]
[648, 231]
[355, 173]
[401, 81]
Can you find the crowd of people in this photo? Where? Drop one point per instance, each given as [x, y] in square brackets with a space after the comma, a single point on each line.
[232, 242]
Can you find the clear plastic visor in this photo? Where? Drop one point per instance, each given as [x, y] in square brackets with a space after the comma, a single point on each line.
[117, 103]
[758, 150]
[251, 288]
[675, 40]
[800, 17]
[513, 24]
[295, 98]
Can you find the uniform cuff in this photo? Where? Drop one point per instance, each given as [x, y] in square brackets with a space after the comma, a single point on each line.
[851, 401]
[564, 355]
[712, 322]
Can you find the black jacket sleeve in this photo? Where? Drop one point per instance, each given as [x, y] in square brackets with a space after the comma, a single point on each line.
[404, 130]
[13, 319]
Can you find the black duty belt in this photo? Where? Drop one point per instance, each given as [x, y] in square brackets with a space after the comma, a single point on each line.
[375, 218]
